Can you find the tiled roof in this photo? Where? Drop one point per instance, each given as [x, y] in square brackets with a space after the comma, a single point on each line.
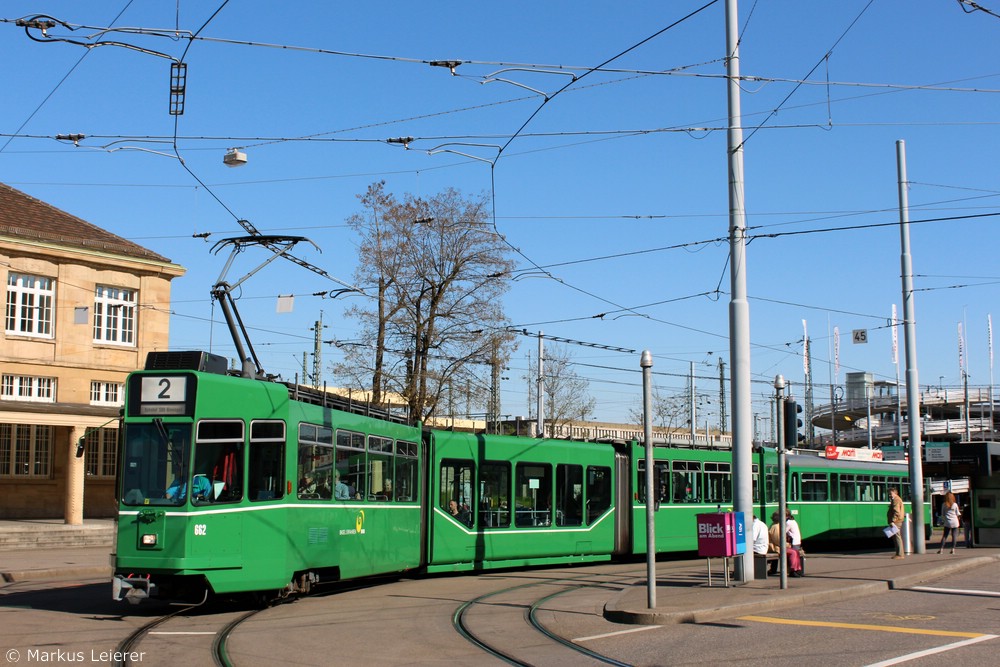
[25, 217]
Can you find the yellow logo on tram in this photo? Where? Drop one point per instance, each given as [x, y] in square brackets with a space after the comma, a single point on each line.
[359, 522]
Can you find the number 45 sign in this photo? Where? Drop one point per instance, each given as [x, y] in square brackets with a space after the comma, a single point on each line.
[859, 336]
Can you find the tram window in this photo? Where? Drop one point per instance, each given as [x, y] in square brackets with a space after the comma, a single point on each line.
[598, 492]
[815, 486]
[794, 488]
[881, 487]
[771, 483]
[315, 460]
[457, 482]
[847, 486]
[569, 495]
[407, 468]
[686, 481]
[533, 494]
[380, 468]
[718, 482]
[755, 476]
[218, 457]
[154, 455]
[266, 470]
[494, 494]
[865, 492]
[350, 465]
[904, 488]
[661, 482]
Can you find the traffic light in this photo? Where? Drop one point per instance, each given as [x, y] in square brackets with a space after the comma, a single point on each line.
[792, 424]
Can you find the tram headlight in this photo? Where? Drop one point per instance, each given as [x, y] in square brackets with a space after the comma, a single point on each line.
[149, 540]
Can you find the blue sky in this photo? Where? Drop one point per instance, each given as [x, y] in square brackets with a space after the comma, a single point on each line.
[622, 160]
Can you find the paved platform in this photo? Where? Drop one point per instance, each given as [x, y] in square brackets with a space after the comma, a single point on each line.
[683, 593]
[52, 549]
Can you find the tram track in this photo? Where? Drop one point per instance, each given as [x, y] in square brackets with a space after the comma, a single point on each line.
[530, 608]
[131, 645]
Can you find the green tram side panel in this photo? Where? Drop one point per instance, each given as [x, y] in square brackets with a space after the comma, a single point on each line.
[453, 546]
[675, 524]
[358, 537]
[831, 520]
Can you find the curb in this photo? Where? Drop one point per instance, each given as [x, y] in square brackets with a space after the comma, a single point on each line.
[613, 613]
[17, 576]
[944, 569]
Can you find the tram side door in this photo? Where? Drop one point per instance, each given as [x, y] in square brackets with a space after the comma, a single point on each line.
[623, 504]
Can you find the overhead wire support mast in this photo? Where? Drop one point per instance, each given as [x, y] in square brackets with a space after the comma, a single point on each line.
[250, 366]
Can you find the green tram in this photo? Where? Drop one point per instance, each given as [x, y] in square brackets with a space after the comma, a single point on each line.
[228, 484]
[833, 501]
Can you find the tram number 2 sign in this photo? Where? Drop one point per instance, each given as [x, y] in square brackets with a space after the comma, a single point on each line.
[163, 395]
[859, 336]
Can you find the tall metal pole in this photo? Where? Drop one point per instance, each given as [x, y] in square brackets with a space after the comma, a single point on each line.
[693, 415]
[910, 343]
[868, 410]
[318, 351]
[779, 399]
[739, 308]
[965, 407]
[895, 362]
[540, 393]
[989, 335]
[646, 362]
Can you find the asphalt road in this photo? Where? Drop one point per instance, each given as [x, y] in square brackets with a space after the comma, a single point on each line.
[412, 622]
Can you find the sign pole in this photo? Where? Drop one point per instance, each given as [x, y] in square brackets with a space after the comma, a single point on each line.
[779, 386]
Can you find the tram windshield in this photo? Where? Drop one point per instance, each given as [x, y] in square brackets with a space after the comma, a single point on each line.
[154, 464]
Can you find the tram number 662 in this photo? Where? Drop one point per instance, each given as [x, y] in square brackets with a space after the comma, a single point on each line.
[200, 529]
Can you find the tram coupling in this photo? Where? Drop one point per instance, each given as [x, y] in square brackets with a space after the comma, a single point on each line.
[131, 589]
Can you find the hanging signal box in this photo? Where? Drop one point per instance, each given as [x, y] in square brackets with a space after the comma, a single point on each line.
[235, 158]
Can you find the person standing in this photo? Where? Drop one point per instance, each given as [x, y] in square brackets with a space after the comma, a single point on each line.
[894, 515]
[951, 519]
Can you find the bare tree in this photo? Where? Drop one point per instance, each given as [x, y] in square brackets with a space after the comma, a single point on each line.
[435, 322]
[669, 410]
[567, 395]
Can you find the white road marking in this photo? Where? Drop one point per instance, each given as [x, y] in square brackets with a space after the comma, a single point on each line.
[615, 634]
[931, 651]
[954, 591]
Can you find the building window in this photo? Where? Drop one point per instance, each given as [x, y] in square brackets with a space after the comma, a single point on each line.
[25, 450]
[27, 388]
[114, 315]
[29, 305]
[106, 393]
[102, 449]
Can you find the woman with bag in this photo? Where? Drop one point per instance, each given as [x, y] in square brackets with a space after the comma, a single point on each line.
[951, 518]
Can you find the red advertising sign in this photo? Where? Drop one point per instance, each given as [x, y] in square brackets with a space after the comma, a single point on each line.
[716, 535]
[850, 453]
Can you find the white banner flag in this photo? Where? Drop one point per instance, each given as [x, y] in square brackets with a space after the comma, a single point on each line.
[836, 352]
[989, 337]
[805, 350]
[961, 351]
[895, 337]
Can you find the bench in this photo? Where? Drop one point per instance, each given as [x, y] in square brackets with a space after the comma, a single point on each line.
[762, 563]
